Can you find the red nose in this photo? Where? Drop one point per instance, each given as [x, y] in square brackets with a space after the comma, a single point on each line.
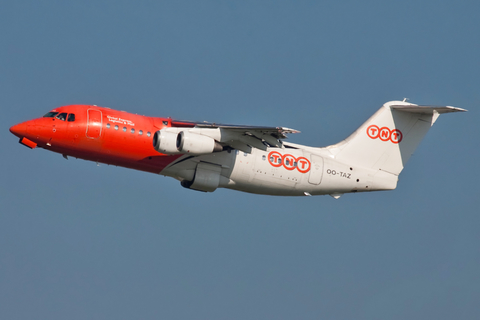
[20, 130]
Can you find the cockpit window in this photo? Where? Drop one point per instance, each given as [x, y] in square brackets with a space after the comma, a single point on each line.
[62, 116]
[50, 114]
[71, 117]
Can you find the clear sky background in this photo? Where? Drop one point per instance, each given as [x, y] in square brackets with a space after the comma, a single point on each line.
[81, 241]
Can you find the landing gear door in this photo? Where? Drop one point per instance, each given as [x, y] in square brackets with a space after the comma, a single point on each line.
[316, 171]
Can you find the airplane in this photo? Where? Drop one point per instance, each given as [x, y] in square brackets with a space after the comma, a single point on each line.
[206, 156]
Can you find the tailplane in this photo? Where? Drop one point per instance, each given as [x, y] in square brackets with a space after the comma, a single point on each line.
[386, 141]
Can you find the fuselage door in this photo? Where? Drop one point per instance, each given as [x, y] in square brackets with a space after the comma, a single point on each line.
[316, 171]
[94, 123]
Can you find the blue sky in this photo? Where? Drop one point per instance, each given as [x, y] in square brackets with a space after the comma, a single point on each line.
[80, 241]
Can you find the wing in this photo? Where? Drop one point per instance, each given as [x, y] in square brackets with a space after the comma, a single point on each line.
[241, 137]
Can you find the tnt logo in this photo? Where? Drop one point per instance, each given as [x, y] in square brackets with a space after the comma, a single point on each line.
[384, 134]
[289, 162]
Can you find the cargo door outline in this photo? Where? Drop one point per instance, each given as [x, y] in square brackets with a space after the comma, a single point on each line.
[316, 170]
[94, 123]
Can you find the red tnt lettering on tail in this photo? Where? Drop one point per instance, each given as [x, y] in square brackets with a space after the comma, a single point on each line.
[384, 134]
[373, 131]
[396, 136]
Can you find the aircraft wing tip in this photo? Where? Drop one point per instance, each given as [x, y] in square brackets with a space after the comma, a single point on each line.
[455, 109]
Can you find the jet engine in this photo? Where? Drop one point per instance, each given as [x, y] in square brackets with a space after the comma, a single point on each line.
[168, 142]
[206, 179]
[192, 143]
[165, 142]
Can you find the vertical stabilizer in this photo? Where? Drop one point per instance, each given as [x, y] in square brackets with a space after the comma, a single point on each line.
[388, 138]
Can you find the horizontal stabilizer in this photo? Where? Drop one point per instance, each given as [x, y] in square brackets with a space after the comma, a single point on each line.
[426, 109]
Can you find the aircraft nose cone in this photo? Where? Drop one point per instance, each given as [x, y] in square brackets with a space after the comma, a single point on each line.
[20, 130]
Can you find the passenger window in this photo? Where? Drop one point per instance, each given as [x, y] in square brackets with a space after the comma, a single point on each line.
[50, 114]
[148, 134]
[108, 125]
[62, 116]
[124, 129]
[132, 130]
[71, 117]
[140, 132]
[116, 127]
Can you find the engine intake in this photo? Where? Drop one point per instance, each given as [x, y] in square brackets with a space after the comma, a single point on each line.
[165, 142]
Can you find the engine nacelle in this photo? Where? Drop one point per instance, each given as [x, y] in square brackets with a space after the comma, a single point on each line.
[192, 143]
[165, 142]
[207, 178]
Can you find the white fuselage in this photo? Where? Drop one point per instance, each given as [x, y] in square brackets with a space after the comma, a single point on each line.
[294, 170]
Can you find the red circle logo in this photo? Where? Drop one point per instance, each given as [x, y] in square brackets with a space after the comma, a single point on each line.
[275, 159]
[372, 131]
[303, 164]
[384, 134]
[396, 136]
[288, 161]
